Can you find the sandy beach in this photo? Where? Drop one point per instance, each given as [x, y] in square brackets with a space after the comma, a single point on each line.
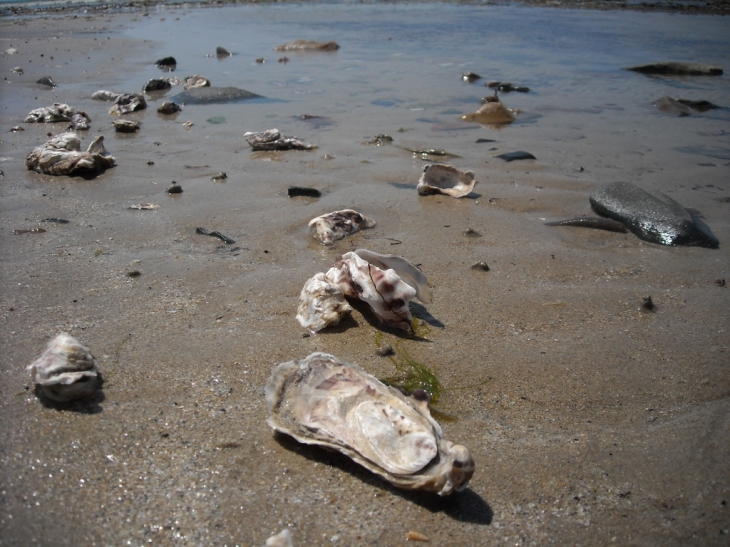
[592, 420]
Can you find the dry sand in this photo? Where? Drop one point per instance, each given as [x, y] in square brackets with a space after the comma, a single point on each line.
[592, 421]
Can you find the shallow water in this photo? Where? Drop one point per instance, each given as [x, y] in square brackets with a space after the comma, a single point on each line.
[578, 406]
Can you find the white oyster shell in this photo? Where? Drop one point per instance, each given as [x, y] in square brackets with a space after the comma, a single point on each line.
[445, 179]
[321, 304]
[383, 290]
[324, 401]
[62, 155]
[66, 370]
[335, 225]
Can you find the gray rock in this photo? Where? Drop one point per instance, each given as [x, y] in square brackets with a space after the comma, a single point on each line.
[674, 68]
[212, 95]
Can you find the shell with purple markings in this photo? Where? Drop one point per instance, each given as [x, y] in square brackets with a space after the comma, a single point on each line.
[336, 225]
[324, 401]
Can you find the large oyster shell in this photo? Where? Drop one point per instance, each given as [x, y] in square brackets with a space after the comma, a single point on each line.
[324, 401]
[62, 155]
[445, 179]
[66, 370]
[335, 225]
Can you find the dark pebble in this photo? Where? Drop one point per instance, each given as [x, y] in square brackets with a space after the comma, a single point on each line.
[481, 266]
[519, 155]
[647, 304]
[134, 273]
[56, 220]
[175, 189]
[295, 191]
[385, 351]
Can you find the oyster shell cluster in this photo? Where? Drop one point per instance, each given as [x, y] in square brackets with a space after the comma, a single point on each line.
[386, 283]
[66, 370]
[57, 112]
[324, 401]
[62, 155]
[338, 224]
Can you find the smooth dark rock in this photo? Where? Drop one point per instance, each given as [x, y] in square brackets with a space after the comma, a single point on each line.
[683, 107]
[519, 155]
[470, 77]
[213, 95]
[657, 219]
[507, 87]
[674, 68]
[56, 220]
[166, 63]
[47, 81]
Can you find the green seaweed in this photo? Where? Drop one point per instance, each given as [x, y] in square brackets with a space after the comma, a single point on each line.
[412, 374]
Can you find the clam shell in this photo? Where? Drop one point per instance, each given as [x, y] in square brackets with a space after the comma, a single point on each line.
[324, 401]
[66, 370]
[445, 179]
[335, 225]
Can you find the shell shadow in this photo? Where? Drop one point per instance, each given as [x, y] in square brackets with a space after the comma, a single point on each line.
[372, 319]
[421, 312]
[465, 506]
[90, 405]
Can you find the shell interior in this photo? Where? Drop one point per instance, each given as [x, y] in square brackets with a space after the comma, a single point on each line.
[324, 401]
[446, 179]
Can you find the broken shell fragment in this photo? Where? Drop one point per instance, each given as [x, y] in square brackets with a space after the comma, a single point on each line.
[321, 304]
[272, 139]
[57, 112]
[445, 179]
[282, 539]
[128, 102]
[195, 81]
[324, 401]
[335, 225]
[66, 370]
[79, 122]
[125, 126]
[62, 155]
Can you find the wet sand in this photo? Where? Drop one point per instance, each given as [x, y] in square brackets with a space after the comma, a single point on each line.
[592, 420]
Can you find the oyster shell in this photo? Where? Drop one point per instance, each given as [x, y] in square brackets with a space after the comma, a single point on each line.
[169, 107]
[66, 370]
[57, 112]
[128, 102]
[445, 179]
[79, 122]
[324, 401]
[321, 304]
[335, 225]
[282, 539]
[195, 81]
[104, 95]
[62, 155]
[272, 139]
